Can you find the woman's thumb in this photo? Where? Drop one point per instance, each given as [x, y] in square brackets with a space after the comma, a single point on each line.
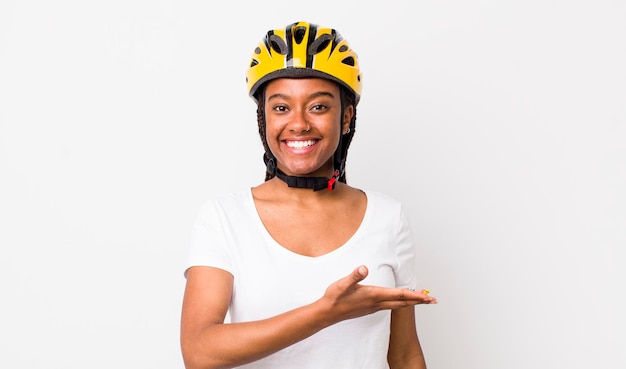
[360, 273]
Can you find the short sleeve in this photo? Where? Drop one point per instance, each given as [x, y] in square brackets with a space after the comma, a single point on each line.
[208, 243]
[406, 276]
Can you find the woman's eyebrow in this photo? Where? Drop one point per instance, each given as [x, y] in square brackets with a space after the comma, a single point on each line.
[313, 95]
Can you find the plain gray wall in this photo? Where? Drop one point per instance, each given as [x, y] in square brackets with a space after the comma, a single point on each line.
[500, 125]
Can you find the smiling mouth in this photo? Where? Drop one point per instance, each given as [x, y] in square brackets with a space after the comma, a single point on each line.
[300, 144]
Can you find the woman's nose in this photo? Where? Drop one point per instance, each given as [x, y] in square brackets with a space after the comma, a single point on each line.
[299, 122]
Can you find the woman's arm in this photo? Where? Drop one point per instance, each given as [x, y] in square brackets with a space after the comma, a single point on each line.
[405, 351]
[207, 342]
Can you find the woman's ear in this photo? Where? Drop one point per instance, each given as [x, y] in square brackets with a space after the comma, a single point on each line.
[348, 113]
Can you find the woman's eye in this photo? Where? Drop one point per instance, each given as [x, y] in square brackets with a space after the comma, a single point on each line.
[280, 108]
[318, 107]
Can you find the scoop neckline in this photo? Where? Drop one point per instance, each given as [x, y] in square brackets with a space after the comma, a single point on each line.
[275, 245]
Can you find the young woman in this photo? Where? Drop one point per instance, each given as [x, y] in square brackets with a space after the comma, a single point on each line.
[303, 270]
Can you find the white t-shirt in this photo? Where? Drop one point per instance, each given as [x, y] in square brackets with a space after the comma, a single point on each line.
[269, 279]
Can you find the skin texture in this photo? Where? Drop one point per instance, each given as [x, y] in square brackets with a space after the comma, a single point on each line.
[309, 111]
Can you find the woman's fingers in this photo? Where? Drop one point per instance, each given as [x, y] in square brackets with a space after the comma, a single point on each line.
[409, 296]
[391, 298]
[422, 296]
[350, 296]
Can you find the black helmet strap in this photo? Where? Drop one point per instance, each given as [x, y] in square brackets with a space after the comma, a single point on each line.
[314, 183]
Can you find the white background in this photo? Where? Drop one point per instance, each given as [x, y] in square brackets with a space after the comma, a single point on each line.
[500, 125]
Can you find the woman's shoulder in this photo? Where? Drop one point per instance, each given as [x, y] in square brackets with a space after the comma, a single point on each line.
[382, 198]
[236, 200]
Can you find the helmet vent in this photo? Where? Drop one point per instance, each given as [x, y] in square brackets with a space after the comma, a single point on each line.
[298, 34]
[320, 44]
[278, 44]
[348, 61]
[303, 50]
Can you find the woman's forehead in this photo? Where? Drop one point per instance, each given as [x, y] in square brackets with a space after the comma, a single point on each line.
[301, 86]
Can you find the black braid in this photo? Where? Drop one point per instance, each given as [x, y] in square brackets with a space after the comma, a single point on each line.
[260, 117]
[347, 100]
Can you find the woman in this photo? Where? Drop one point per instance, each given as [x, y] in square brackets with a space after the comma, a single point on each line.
[302, 271]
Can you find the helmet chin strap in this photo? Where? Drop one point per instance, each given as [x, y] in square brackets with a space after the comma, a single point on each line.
[314, 183]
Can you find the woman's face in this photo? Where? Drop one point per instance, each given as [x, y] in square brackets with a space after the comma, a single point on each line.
[302, 120]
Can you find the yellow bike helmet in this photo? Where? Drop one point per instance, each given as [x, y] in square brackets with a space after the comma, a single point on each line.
[303, 50]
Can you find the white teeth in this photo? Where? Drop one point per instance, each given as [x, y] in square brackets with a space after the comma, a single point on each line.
[300, 144]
